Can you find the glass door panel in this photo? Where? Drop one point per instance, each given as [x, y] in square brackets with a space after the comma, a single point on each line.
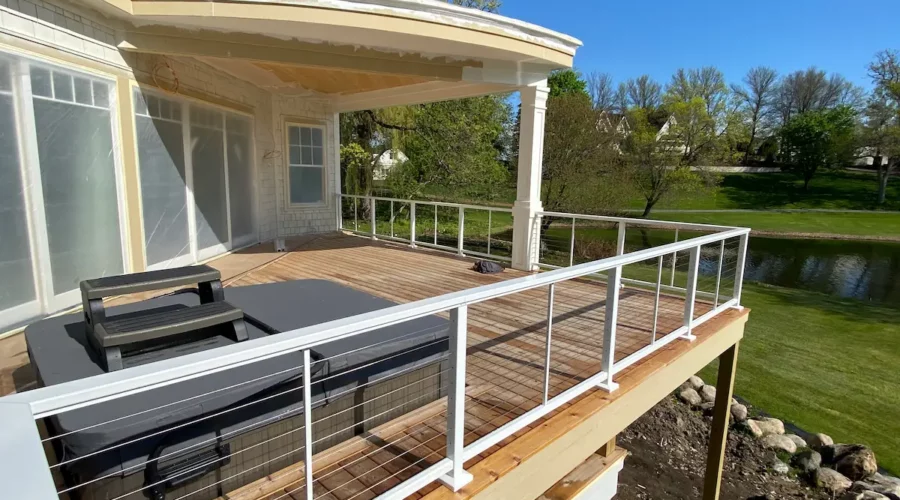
[209, 182]
[240, 180]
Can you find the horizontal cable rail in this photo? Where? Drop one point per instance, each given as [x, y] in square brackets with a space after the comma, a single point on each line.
[636, 301]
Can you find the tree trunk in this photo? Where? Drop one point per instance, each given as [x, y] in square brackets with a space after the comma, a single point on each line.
[883, 175]
[647, 208]
[750, 144]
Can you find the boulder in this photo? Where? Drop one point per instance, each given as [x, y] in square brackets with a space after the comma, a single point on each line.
[797, 440]
[833, 453]
[695, 382]
[706, 407]
[708, 393]
[690, 397]
[769, 425]
[817, 441]
[831, 481]
[886, 485]
[858, 463]
[779, 443]
[779, 467]
[738, 412]
[865, 495]
[752, 428]
[807, 461]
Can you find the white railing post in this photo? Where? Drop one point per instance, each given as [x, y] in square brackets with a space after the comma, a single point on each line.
[435, 224]
[620, 241]
[550, 294]
[739, 268]
[355, 213]
[656, 300]
[392, 218]
[690, 296]
[340, 211]
[307, 424]
[572, 245]
[456, 398]
[614, 280]
[412, 224]
[372, 216]
[490, 212]
[460, 237]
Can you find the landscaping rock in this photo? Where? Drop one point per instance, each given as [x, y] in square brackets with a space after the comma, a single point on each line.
[797, 440]
[782, 443]
[752, 428]
[833, 453]
[865, 495]
[886, 485]
[779, 467]
[817, 441]
[857, 463]
[695, 382]
[831, 481]
[807, 461]
[769, 426]
[708, 393]
[738, 412]
[707, 407]
[690, 397]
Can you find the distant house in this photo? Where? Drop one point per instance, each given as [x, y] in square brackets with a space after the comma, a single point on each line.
[867, 156]
[385, 162]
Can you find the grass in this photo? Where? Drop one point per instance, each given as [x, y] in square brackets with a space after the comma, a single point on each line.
[845, 223]
[828, 190]
[824, 364]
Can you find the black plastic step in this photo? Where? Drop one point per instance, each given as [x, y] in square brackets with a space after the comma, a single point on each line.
[151, 280]
[155, 325]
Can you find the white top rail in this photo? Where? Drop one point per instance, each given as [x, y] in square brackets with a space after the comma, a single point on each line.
[643, 222]
[435, 203]
[69, 396]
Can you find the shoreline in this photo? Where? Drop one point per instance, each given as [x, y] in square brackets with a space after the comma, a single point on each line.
[823, 236]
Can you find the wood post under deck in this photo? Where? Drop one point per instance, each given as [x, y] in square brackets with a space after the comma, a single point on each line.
[721, 415]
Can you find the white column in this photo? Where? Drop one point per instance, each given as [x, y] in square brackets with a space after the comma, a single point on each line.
[528, 187]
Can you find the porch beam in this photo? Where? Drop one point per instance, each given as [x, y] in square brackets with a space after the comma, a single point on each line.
[526, 233]
[415, 94]
[254, 48]
[718, 438]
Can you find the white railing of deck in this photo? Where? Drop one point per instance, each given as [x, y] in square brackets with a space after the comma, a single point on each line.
[419, 226]
[24, 468]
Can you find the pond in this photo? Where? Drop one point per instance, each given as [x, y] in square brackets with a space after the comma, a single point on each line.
[865, 270]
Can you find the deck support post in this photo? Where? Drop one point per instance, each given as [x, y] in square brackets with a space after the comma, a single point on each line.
[614, 279]
[456, 398]
[721, 413]
[526, 233]
[608, 448]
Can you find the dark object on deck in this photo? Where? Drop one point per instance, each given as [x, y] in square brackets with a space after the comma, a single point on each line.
[203, 437]
[487, 267]
[116, 336]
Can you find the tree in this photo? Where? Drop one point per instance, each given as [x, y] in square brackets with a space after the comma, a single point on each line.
[706, 83]
[813, 90]
[882, 129]
[756, 96]
[567, 81]
[600, 87]
[642, 92]
[580, 159]
[880, 138]
[485, 5]
[654, 167]
[819, 139]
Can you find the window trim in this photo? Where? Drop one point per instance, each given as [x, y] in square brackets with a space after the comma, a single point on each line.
[288, 123]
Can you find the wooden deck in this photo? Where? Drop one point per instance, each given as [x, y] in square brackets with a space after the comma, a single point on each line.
[506, 350]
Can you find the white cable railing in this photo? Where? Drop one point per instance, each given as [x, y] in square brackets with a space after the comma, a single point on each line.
[472, 230]
[668, 302]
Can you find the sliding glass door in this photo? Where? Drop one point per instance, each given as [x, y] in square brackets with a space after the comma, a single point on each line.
[60, 204]
[196, 171]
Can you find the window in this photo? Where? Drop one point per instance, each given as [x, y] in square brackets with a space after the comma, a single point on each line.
[306, 164]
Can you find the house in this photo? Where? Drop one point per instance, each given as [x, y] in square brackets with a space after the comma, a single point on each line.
[385, 162]
[144, 135]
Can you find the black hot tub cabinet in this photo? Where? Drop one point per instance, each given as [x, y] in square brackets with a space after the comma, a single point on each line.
[219, 432]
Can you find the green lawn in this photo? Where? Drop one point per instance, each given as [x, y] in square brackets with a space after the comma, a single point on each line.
[825, 364]
[828, 190]
[848, 223]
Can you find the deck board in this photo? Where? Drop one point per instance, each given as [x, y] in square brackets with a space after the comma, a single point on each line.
[505, 355]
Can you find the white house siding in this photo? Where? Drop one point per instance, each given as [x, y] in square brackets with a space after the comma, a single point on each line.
[77, 36]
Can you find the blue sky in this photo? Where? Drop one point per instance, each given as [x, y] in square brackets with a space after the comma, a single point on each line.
[630, 37]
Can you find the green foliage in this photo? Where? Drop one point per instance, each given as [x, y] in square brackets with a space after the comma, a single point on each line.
[654, 163]
[819, 139]
[454, 145]
[581, 163]
[356, 168]
[567, 81]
